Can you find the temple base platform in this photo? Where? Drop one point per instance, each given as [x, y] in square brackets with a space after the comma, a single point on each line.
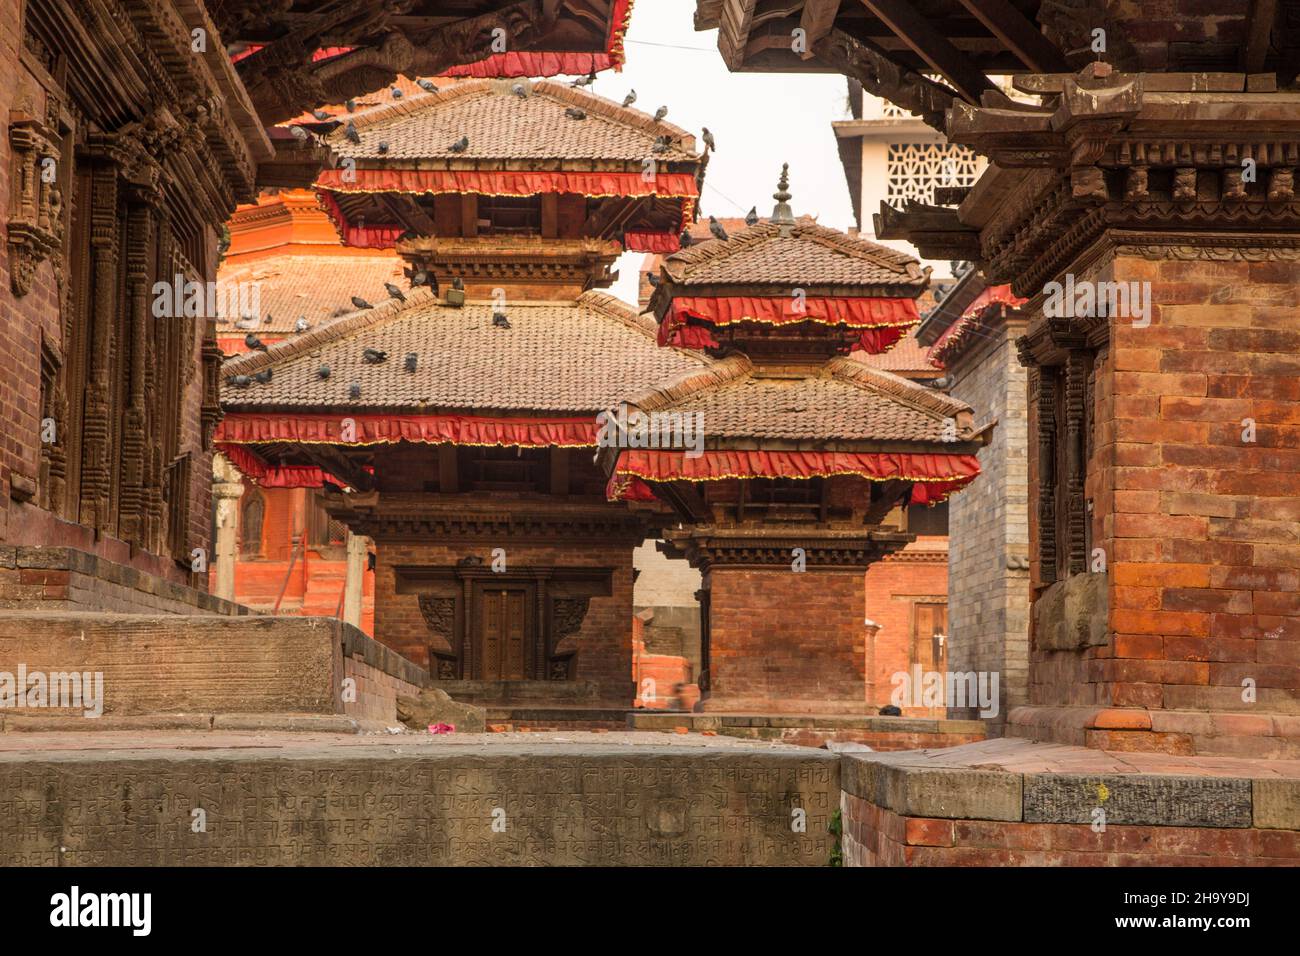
[1014, 802]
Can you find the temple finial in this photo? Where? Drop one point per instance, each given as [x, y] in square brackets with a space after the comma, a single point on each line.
[782, 215]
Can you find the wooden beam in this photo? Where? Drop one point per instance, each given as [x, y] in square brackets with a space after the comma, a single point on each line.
[817, 20]
[550, 215]
[448, 470]
[1021, 37]
[559, 471]
[1259, 31]
[469, 216]
[883, 77]
[932, 47]
[409, 214]
[330, 459]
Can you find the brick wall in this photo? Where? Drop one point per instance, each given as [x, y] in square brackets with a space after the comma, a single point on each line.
[894, 586]
[988, 581]
[603, 643]
[1197, 525]
[27, 321]
[768, 653]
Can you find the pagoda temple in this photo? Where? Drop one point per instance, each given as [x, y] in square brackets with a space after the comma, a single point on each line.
[460, 414]
[462, 417]
[809, 456]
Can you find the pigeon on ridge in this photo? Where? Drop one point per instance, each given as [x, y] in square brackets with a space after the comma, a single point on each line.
[660, 114]
[394, 292]
[427, 85]
[361, 303]
[254, 343]
[716, 228]
[708, 140]
[302, 325]
[751, 217]
[629, 99]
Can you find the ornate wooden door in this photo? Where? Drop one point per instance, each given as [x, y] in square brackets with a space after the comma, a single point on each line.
[504, 633]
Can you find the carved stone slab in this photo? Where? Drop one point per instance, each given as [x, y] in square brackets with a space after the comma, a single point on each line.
[503, 805]
[1139, 799]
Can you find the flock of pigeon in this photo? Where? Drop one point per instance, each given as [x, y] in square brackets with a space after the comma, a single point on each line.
[421, 277]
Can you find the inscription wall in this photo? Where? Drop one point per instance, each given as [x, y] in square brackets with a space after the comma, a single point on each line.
[371, 806]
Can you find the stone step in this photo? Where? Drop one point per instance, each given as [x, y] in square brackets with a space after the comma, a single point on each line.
[135, 665]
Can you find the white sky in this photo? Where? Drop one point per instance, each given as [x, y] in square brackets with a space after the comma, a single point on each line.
[759, 120]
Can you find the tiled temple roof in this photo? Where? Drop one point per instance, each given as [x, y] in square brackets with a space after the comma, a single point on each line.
[581, 356]
[502, 126]
[843, 400]
[809, 255]
[909, 358]
[314, 286]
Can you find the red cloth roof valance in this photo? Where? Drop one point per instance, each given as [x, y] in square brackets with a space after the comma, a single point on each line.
[658, 242]
[883, 320]
[505, 182]
[241, 428]
[871, 341]
[275, 476]
[946, 472]
[511, 64]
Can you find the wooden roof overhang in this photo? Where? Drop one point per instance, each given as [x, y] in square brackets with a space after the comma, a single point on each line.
[893, 47]
[298, 55]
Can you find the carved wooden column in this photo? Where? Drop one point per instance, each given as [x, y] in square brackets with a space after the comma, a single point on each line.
[1076, 380]
[97, 455]
[139, 434]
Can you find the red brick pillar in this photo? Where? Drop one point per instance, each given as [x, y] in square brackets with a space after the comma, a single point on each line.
[1189, 640]
[782, 641]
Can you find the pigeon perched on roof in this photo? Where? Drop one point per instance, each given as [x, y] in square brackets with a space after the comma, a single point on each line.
[411, 360]
[350, 132]
[361, 303]
[751, 217]
[420, 277]
[323, 371]
[427, 85]
[254, 343]
[301, 325]
[263, 377]
[351, 105]
[574, 113]
[320, 115]
[374, 356]
[239, 381]
[460, 145]
[708, 139]
[397, 92]
[661, 113]
[587, 80]
[716, 228]
[383, 147]
[686, 238]
[519, 91]
[394, 292]
[298, 133]
[661, 144]
[500, 320]
[629, 99]
[354, 390]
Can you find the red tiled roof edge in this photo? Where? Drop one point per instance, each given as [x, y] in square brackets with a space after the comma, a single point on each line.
[683, 385]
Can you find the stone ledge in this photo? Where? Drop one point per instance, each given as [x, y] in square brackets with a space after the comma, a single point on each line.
[75, 561]
[1013, 780]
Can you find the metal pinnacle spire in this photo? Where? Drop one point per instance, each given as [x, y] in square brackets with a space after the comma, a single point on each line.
[782, 215]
